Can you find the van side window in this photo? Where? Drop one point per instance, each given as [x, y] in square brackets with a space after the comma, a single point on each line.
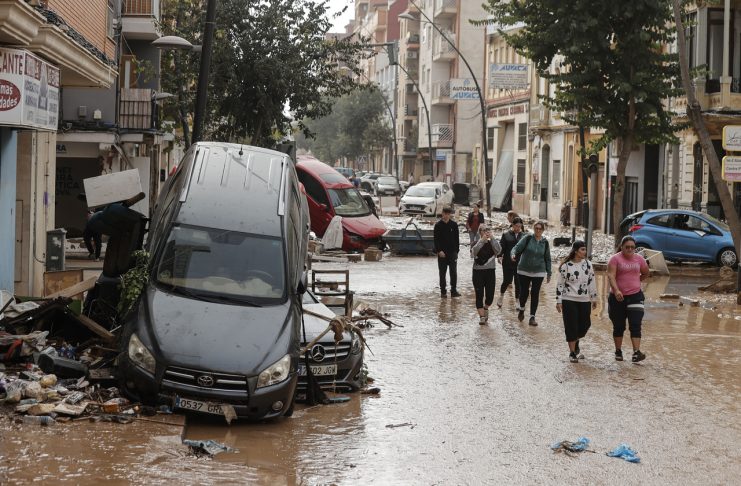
[293, 242]
[314, 188]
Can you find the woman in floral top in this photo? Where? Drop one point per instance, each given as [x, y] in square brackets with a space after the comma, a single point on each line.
[576, 296]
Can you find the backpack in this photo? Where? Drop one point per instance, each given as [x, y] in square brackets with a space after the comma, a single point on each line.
[484, 254]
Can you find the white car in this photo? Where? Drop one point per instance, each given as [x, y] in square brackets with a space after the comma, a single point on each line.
[426, 198]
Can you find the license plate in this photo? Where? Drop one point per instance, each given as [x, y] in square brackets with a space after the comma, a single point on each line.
[319, 370]
[198, 406]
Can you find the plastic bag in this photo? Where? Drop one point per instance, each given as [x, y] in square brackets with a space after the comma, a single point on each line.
[579, 446]
[623, 451]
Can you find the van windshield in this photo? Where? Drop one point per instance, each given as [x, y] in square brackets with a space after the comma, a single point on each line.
[348, 203]
[234, 266]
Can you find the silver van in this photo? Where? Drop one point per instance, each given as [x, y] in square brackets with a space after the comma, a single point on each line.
[219, 320]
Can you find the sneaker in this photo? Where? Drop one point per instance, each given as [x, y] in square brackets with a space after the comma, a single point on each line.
[577, 351]
[532, 321]
[499, 300]
[638, 356]
[520, 315]
[618, 355]
[443, 294]
[573, 358]
[482, 320]
[91, 256]
[454, 293]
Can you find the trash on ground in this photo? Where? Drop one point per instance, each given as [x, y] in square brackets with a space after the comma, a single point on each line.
[569, 447]
[207, 447]
[625, 452]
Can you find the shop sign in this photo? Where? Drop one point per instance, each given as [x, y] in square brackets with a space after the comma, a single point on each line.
[731, 168]
[732, 138]
[29, 90]
[463, 89]
[508, 76]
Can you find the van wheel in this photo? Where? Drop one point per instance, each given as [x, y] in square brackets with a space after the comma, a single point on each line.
[727, 257]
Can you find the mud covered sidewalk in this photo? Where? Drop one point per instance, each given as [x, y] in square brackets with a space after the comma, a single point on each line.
[460, 403]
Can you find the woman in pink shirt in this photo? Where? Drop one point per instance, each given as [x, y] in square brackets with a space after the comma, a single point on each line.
[625, 271]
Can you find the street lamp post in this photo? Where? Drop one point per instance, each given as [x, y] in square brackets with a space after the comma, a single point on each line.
[427, 113]
[487, 168]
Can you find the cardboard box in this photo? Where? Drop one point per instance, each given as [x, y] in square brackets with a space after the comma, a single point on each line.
[373, 255]
[111, 188]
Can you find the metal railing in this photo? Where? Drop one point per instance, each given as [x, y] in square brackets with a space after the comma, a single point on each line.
[141, 7]
[410, 110]
[442, 5]
[442, 133]
[441, 46]
[441, 90]
[136, 109]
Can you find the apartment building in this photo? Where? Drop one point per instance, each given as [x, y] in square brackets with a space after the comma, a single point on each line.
[47, 47]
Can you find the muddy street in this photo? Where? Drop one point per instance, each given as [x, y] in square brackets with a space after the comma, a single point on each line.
[460, 403]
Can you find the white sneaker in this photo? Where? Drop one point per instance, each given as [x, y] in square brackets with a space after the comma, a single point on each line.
[499, 300]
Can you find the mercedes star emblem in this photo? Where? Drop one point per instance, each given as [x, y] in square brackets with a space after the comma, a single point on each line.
[318, 353]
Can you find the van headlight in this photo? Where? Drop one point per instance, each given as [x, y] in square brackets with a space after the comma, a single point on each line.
[355, 346]
[275, 373]
[140, 355]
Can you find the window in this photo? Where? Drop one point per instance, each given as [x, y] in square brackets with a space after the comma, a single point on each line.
[490, 139]
[348, 203]
[111, 16]
[313, 188]
[556, 185]
[522, 137]
[521, 164]
[663, 220]
[427, 166]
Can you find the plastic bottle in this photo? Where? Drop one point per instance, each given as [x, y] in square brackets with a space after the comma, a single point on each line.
[39, 419]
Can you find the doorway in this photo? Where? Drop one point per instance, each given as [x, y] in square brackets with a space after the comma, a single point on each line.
[545, 162]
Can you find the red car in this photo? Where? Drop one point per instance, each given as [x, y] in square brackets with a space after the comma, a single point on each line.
[329, 193]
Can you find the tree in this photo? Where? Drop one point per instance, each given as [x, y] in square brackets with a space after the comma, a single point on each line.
[271, 59]
[694, 113]
[355, 127]
[614, 73]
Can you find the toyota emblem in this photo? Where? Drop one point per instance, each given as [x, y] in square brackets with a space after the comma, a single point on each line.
[318, 353]
[206, 380]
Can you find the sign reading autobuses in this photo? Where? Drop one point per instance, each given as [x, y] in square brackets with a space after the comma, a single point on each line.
[29, 90]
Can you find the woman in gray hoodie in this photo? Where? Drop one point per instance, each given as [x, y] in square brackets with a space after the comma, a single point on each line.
[484, 253]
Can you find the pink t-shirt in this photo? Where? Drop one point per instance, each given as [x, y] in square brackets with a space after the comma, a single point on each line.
[628, 272]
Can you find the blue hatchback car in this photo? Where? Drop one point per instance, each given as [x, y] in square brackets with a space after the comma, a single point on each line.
[682, 235]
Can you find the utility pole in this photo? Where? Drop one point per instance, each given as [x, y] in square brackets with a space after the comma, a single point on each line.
[202, 94]
[592, 168]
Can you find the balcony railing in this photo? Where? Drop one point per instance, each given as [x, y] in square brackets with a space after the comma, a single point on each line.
[441, 48]
[141, 7]
[713, 85]
[445, 7]
[410, 147]
[136, 109]
[410, 110]
[442, 134]
[441, 93]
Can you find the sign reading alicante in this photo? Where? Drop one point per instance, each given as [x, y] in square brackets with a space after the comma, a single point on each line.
[29, 90]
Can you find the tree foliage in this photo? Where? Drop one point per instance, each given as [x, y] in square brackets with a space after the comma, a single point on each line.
[611, 67]
[272, 60]
[355, 127]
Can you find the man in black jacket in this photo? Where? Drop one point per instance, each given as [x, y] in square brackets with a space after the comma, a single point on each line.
[509, 268]
[446, 247]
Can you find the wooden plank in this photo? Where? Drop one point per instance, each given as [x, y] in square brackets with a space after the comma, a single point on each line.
[75, 289]
[95, 327]
[59, 281]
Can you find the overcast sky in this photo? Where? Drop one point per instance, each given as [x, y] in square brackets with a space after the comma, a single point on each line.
[336, 6]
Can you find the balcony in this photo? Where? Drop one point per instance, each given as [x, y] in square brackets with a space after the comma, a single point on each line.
[441, 93]
[413, 41]
[442, 50]
[539, 116]
[442, 135]
[713, 96]
[136, 110]
[410, 112]
[139, 20]
[410, 148]
[445, 9]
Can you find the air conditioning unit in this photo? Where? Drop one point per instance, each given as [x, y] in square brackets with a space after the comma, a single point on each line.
[412, 54]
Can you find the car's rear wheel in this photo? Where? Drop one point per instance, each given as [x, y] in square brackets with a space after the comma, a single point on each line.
[727, 257]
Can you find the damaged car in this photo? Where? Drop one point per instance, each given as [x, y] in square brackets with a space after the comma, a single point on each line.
[217, 326]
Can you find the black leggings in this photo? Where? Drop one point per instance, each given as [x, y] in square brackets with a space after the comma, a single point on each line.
[525, 282]
[577, 319]
[509, 274]
[484, 281]
[631, 308]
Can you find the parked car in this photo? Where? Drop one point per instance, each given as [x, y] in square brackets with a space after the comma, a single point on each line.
[333, 365]
[346, 171]
[368, 182]
[426, 198]
[330, 194]
[387, 186]
[682, 235]
[404, 186]
[218, 322]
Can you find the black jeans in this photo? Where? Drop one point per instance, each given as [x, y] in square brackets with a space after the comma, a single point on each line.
[577, 318]
[631, 308]
[450, 261]
[509, 274]
[525, 282]
[484, 283]
[89, 237]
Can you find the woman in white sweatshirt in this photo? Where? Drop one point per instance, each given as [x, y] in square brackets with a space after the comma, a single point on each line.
[576, 296]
